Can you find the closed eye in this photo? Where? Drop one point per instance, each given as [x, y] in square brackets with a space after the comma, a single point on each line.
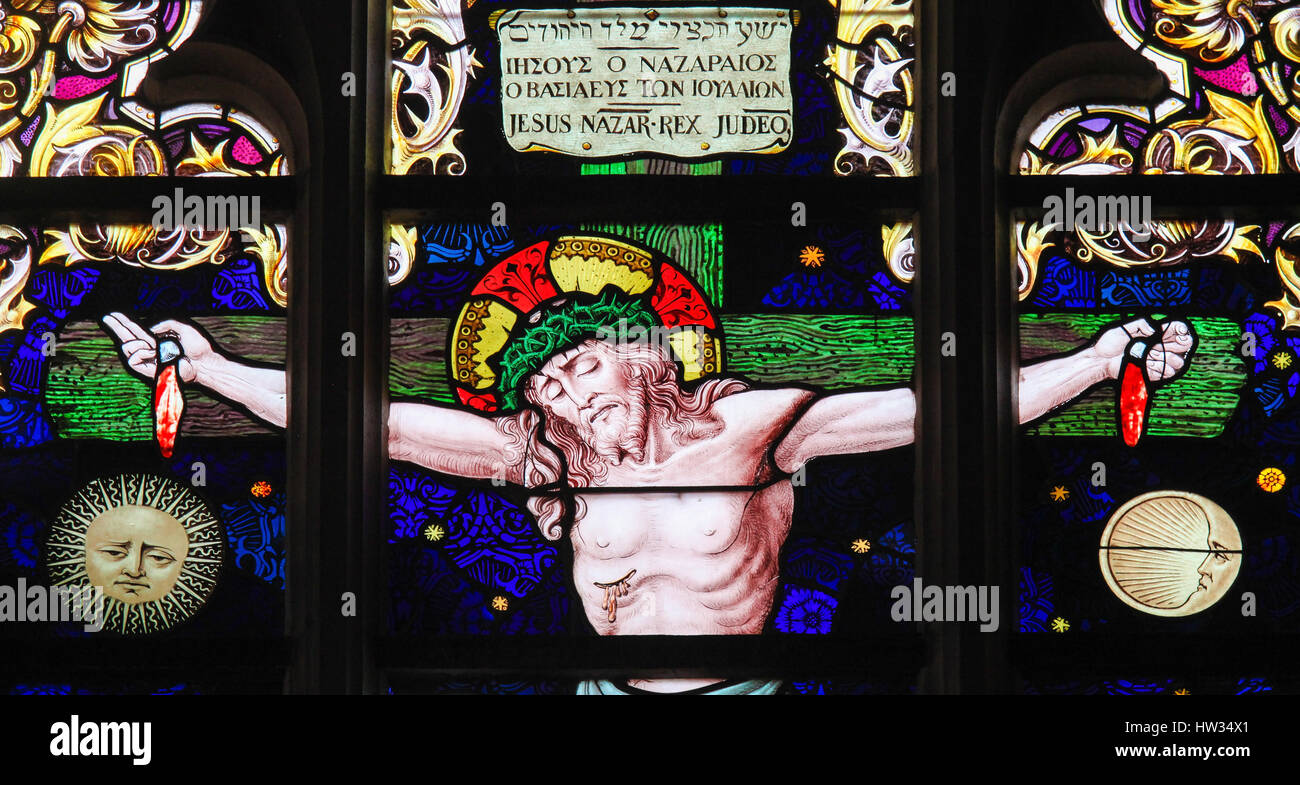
[589, 367]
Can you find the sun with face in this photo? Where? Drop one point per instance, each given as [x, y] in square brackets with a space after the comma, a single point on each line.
[150, 543]
[135, 553]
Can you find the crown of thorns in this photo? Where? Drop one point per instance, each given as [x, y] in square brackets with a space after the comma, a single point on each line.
[549, 297]
[560, 330]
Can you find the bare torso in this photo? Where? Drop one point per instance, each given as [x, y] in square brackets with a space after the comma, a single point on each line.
[682, 562]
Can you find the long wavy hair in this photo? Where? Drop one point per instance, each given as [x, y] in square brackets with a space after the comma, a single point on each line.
[554, 454]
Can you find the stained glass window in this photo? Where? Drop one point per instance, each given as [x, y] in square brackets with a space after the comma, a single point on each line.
[1157, 505]
[728, 348]
[142, 391]
[727, 311]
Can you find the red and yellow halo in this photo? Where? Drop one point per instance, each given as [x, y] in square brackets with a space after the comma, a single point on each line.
[518, 290]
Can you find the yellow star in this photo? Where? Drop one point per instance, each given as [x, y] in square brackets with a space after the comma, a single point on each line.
[1183, 691]
[861, 545]
[500, 603]
[434, 532]
[1060, 493]
[1060, 625]
[812, 256]
[1282, 360]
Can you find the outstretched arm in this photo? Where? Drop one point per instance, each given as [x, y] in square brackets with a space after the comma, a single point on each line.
[1049, 384]
[882, 419]
[850, 423]
[260, 390]
[451, 441]
[442, 439]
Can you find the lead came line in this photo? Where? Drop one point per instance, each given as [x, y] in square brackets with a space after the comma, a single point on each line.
[1165, 548]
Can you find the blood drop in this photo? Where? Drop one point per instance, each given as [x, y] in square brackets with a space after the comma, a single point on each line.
[1134, 400]
[168, 406]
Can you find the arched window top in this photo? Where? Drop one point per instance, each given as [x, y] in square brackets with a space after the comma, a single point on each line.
[70, 78]
[1229, 102]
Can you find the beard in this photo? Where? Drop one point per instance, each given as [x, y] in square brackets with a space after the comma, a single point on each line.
[590, 449]
[654, 399]
[622, 432]
[555, 451]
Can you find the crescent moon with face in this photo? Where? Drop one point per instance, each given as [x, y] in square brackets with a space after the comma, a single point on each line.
[1170, 553]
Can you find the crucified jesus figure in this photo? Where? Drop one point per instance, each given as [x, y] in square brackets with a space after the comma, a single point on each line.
[676, 498]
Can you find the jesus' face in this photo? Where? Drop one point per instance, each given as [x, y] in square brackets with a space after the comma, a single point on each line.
[135, 553]
[597, 394]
